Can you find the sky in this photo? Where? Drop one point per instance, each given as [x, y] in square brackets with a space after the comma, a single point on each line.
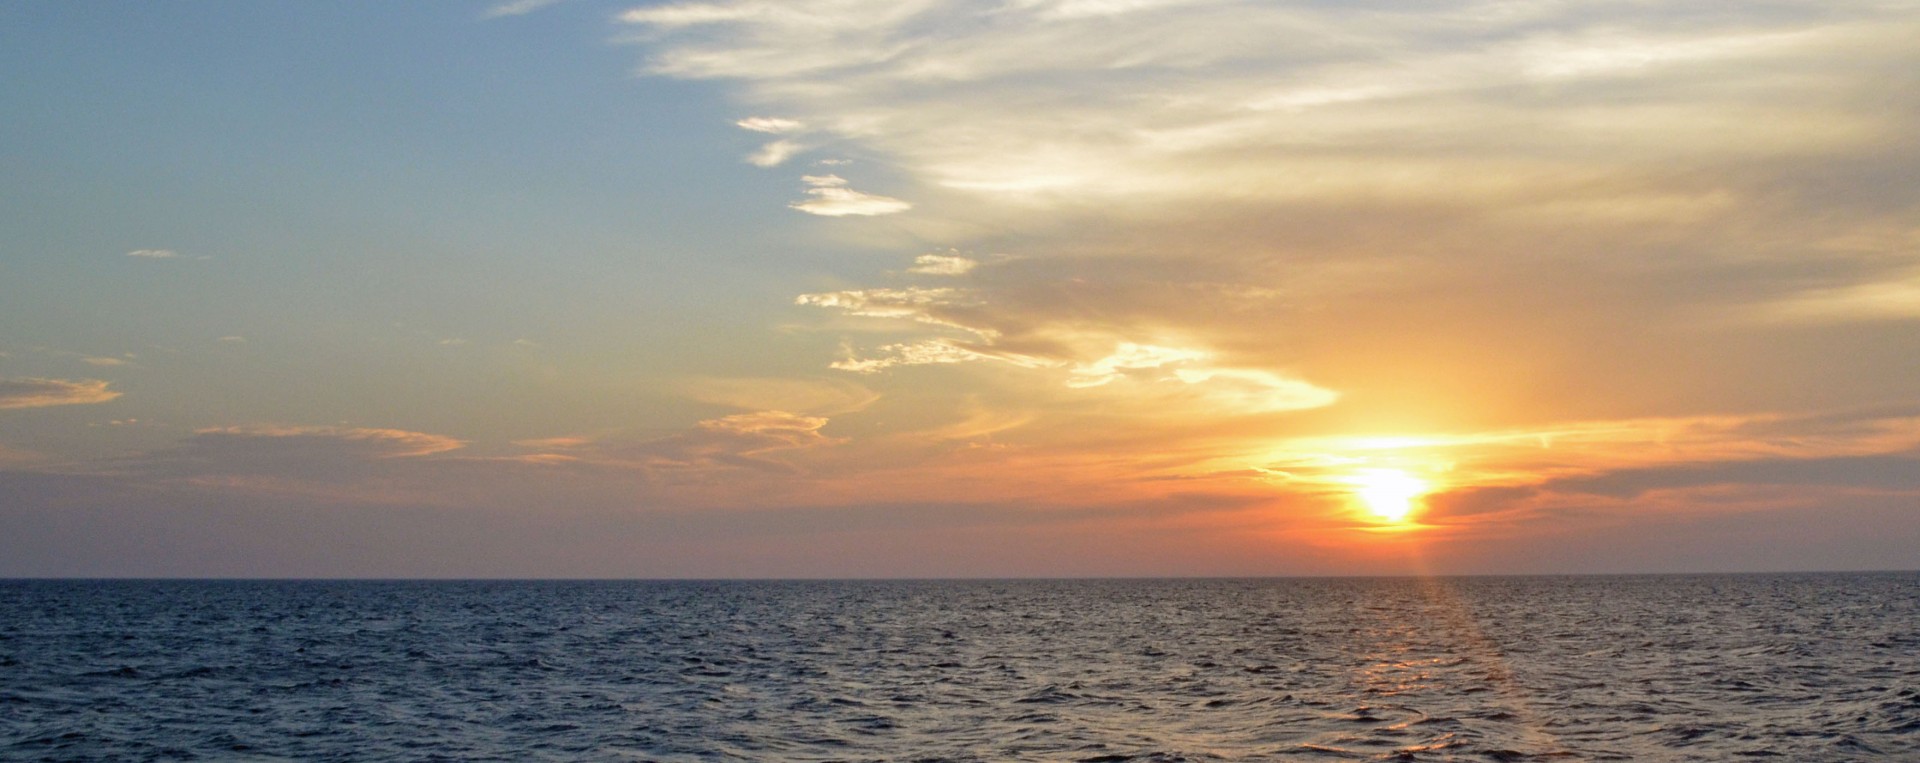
[918, 288]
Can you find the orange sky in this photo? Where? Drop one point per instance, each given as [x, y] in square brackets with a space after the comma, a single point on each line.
[1044, 287]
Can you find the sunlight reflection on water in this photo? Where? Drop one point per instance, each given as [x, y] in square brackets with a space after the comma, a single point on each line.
[1810, 667]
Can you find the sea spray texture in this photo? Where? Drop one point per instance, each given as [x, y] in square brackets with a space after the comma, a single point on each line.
[1659, 668]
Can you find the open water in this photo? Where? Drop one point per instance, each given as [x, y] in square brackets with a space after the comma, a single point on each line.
[1662, 668]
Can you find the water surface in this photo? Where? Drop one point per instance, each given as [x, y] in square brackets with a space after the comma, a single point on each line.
[1662, 668]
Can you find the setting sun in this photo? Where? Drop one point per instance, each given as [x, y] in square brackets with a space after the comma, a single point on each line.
[1389, 494]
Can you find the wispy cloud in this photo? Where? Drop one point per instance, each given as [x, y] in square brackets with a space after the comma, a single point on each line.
[1064, 351]
[774, 154]
[921, 353]
[761, 441]
[832, 198]
[516, 8]
[154, 254]
[949, 264]
[1194, 99]
[30, 392]
[749, 440]
[1129, 356]
[936, 306]
[774, 125]
[382, 443]
[1896, 299]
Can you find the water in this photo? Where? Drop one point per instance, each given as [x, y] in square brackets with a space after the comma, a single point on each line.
[1793, 668]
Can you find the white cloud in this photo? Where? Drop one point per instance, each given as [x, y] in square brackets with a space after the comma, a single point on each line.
[516, 8]
[951, 264]
[104, 361]
[154, 254]
[1352, 171]
[774, 125]
[928, 352]
[775, 153]
[1254, 390]
[832, 198]
[1129, 356]
[914, 303]
[694, 14]
[1080, 9]
[30, 392]
[1058, 102]
[1615, 53]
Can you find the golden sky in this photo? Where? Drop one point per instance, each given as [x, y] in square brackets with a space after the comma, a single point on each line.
[919, 288]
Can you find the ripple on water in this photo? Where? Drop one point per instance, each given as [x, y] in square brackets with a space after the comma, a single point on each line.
[1791, 667]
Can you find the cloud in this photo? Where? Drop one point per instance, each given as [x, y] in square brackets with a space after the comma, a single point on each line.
[1897, 299]
[694, 14]
[710, 455]
[1502, 480]
[775, 154]
[516, 8]
[379, 443]
[555, 443]
[1256, 391]
[334, 464]
[951, 264]
[154, 254]
[1126, 357]
[773, 125]
[832, 198]
[30, 392]
[934, 306]
[1047, 103]
[1239, 391]
[1090, 357]
[104, 361]
[754, 441]
[1895, 473]
[927, 352]
[1237, 229]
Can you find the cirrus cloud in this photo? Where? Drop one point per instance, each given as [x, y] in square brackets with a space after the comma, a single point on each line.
[31, 392]
[381, 443]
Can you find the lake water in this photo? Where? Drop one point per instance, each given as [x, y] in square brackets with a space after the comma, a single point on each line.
[1658, 668]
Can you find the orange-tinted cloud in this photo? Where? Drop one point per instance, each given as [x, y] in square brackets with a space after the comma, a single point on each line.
[29, 392]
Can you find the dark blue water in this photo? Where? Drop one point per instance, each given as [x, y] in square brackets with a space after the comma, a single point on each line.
[1791, 668]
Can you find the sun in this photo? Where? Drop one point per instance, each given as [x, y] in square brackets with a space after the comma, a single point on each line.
[1389, 494]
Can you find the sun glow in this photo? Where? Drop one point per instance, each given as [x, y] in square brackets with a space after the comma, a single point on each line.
[1390, 495]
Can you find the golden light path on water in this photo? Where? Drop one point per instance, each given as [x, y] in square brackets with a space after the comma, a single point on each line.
[1393, 498]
